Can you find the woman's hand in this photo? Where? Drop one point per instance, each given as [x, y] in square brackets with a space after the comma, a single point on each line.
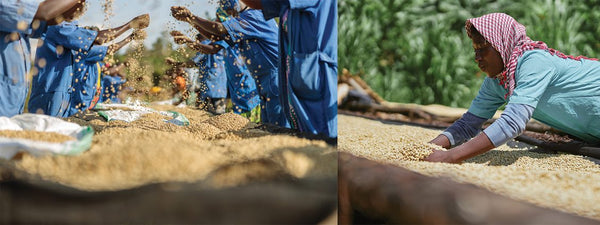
[441, 156]
[140, 22]
[182, 40]
[176, 33]
[181, 13]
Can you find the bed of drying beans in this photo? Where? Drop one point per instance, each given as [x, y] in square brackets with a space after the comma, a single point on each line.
[565, 182]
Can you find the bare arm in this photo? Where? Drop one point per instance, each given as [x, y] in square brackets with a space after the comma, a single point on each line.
[108, 35]
[188, 64]
[441, 140]
[511, 123]
[117, 46]
[476, 146]
[206, 49]
[211, 29]
[50, 9]
[197, 46]
[255, 4]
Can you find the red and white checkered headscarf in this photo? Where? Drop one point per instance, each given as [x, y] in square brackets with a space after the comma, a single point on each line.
[509, 38]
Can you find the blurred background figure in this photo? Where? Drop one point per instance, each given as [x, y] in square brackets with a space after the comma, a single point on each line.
[113, 78]
[257, 40]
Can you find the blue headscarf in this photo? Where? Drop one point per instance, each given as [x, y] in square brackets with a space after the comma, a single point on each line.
[222, 15]
[229, 4]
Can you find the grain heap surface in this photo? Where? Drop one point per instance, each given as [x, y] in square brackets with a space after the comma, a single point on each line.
[385, 143]
[564, 182]
[228, 121]
[36, 136]
[126, 155]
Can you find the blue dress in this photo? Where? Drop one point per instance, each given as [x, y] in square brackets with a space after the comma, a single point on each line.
[212, 77]
[53, 86]
[87, 79]
[15, 30]
[241, 85]
[308, 65]
[257, 41]
[111, 86]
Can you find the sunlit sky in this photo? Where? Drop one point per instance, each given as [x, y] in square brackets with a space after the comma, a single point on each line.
[159, 10]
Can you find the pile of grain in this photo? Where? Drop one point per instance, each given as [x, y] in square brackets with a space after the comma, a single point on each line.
[565, 182]
[36, 136]
[384, 142]
[229, 121]
[154, 121]
[125, 155]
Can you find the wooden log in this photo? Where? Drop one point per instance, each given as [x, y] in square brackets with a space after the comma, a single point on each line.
[371, 192]
[300, 202]
[342, 92]
[572, 147]
[408, 111]
[368, 89]
[357, 87]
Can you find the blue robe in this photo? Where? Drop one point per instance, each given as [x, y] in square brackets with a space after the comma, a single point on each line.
[308, 65]
[257, 41]
[242, 87]
[15, 30]
[87, 79]
[212, 77]
[111, 86]
[53, 86]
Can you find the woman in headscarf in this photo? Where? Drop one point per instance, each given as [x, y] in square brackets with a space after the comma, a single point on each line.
[535, 81]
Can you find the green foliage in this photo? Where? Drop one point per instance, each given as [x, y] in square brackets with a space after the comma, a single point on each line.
[417, 50]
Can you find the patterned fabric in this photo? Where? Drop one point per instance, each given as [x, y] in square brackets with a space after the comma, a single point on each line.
[510, 39]
[229, 4]
[222, 15]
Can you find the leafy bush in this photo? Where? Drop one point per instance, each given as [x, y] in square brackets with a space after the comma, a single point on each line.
[418, 51]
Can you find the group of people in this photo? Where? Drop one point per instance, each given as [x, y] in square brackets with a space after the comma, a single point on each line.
[286, 71]
[66, 75]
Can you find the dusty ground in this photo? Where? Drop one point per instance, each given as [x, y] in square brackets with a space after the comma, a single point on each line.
[564, 182]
